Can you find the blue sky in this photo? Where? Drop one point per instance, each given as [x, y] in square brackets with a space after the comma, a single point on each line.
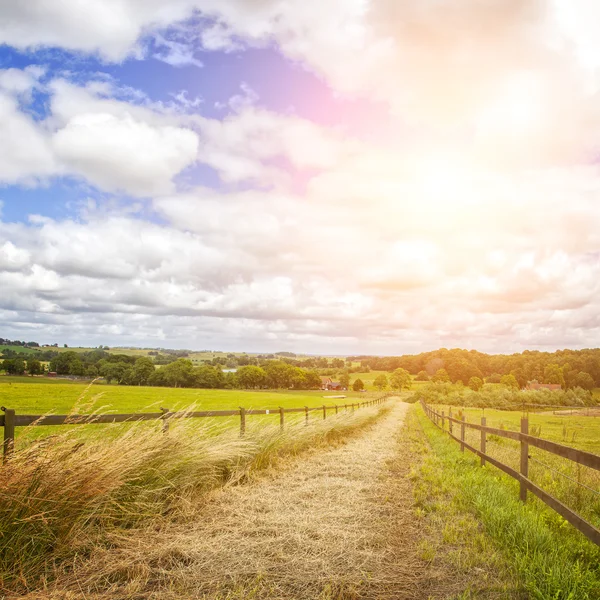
[349, 177]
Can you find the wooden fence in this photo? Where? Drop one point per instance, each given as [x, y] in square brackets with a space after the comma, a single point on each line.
[9, 420]
[581, 457]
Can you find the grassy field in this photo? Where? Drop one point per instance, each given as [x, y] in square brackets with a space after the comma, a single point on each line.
[39, 396]
[581, 432]
[20, 349]
[576, 486]
[479, 515]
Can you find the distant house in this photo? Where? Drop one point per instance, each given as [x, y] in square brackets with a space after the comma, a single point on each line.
[534, 385]
[325, 382]
[328, 384]
[51, 373]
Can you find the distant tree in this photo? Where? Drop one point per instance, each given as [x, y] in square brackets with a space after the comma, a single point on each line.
[422, 376]
[584, 380]
[554, 374]
[344, 379]
[65, 346]
[358, 385]
[251, 377]
[14, 366]
[76, 368]
[494, 378]
[510, 381]
[441, 375]
[400, 379]
[337, 363]
[475, 383]
[34, 366]
[178, 373]
[381, 382]
[141, 371]
[92, 371]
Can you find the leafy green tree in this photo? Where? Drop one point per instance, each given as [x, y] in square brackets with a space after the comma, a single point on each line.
[34, 366]
[14, 366]
[179, 373]
[400, 379]
[61, 364]
[358, 385]
[251, 377]
[510, 381]
[441, 375]
[475, 383]
[554, 374]
[279, 374]
[76, 368]
[344, 380]
[584, 380]
[381, 382]
[422, 376]
[141, 371]
[494, 378]
[92, 371]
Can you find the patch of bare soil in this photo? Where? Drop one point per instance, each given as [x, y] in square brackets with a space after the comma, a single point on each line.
[333, 524]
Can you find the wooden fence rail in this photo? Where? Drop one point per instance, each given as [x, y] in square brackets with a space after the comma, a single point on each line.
[10, 420]
[580, 457]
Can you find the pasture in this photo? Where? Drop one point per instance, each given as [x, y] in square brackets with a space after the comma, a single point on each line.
[40, 396]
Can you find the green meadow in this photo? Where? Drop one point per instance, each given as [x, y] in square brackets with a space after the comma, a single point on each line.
[40, 396]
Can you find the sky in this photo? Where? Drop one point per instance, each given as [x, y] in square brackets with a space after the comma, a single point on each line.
[341, 177]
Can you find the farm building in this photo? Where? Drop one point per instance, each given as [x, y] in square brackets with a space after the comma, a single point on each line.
[534, 385]
[328, 384]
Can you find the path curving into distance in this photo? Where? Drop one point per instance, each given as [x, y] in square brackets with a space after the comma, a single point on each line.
[335, 523]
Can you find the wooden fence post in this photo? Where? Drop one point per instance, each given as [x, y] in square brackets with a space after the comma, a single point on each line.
[324, 412]
[306, 413]
[242, 421]
[336, 409]
[483, 440]
[449, 417]
[165, 417]
[462, 433]
[9, 432]
[281, 418]
[524, 458]
[443, 421]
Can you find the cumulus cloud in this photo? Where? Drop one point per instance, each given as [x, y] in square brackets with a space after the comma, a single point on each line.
[475, 226]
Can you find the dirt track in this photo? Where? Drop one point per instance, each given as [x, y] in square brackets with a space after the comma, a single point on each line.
[332, 524]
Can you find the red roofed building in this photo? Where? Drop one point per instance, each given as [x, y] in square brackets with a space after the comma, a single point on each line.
[534, 385]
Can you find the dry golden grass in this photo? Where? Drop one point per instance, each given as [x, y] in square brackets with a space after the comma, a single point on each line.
[62, 501]
[335, 524]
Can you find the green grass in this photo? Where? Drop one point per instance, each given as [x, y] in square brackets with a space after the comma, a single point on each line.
[571, 430]
[19, 349]
[548, 558]
[39, 396]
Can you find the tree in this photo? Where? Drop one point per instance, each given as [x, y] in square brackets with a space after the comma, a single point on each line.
[475, 383]
[422, 376]
[358, 385]
[14, 366]
[400, 379]
[584, 380]
[142, 369]
[441, 375]
[344, 380]
[34, 366]
[554, 374]
[381, 382]
[251, 377]
[494, 378]
[510, 381]
[178, 373]
[92, 371]
[279, 374]
[76, 368]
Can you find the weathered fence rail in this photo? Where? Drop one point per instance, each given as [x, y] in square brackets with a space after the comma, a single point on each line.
[580, 457]
[10, 420]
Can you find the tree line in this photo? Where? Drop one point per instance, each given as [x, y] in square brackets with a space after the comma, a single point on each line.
[568, 368]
